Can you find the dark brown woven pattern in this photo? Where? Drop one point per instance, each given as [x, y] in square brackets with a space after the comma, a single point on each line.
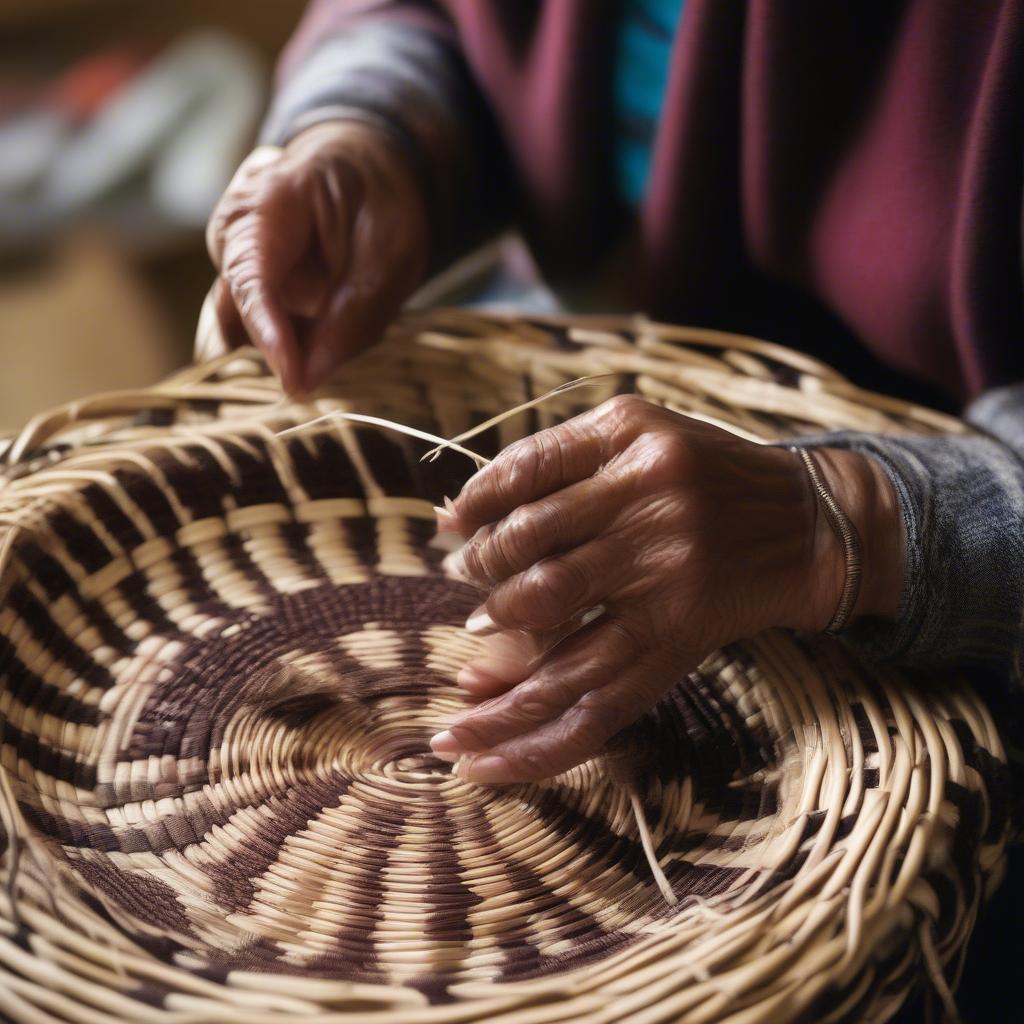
[223, 652]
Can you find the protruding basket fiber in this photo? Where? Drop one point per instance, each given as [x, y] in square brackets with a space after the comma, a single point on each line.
[223, 651]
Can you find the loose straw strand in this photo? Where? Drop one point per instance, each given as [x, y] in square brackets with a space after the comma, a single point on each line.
[648, 845]
[377, 421]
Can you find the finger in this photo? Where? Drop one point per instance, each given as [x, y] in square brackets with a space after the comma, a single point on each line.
[537, 530]
[356, 313]
[581, 732]
[315, 276]
[509, 658]
[253, 276]
[348, 325]
[231, 327]
[304, 292]
[545, 462]
[229, 207]
[554, 590]
[332, 222]
[589, 659]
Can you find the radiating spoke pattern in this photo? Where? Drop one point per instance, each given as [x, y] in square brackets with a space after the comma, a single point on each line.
[222, 656]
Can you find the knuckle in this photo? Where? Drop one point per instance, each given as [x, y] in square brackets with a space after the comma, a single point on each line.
[535, 709]
[476, 553]
[625, 408]
[624, 403]
[531, 461]
[469, 735]
[546, 524]
[244, 286]
[671, 456]
[553, 590]
[507, 542]
[496, 551]
[533, 763]
[599, 716]
[524, 466]
[541, 701]
[519, 537]
[241, 243]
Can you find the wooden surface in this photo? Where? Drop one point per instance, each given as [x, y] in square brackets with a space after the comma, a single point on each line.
[82, 321]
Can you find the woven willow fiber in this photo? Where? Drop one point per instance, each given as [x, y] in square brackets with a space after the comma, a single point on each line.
[223, 651]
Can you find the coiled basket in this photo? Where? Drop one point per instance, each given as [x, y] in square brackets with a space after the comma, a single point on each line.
[223, 651]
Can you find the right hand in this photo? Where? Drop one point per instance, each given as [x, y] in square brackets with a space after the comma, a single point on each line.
[317, 246]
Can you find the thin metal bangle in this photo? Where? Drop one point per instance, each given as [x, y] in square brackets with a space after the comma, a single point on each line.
[847, 533]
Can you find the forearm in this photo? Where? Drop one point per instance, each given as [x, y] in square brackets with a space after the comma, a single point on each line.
[961, 508]
[398, 66]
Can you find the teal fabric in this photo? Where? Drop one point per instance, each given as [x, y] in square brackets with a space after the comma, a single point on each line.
[646, 32]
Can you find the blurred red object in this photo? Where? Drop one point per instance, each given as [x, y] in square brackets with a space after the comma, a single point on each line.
[86, 86]
[81, 90]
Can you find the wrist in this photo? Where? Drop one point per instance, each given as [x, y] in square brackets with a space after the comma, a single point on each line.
[866, 495]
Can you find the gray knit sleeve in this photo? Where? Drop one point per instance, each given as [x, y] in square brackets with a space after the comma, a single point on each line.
[962, 502]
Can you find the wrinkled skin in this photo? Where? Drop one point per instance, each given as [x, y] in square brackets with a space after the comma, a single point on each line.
[678, 536]
[317, 245]
[686, 536]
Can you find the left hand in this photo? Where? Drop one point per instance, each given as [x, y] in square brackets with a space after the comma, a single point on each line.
[687, 536]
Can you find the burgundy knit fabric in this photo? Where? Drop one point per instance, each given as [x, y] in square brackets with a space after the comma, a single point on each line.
[822, 172]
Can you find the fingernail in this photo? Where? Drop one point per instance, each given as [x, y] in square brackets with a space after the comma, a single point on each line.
[485, 769]
[444, 755]
[445, 742]
[450, 506]
[480, 623]
[445, 520]
[455, 565]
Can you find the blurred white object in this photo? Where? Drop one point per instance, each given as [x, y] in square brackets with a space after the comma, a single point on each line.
[185, 120]
[29, 143]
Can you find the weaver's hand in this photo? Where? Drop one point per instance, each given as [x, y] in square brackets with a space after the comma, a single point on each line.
[317, 246]
[686, 535]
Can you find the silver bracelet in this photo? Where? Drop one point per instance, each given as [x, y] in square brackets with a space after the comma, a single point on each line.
[847, 533]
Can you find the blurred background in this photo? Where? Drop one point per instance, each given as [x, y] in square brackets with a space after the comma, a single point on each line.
[121, 121]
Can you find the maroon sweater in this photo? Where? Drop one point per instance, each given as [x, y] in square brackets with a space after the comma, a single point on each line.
[847, 178]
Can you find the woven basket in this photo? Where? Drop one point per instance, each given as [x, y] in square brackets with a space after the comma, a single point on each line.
[223, 651]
